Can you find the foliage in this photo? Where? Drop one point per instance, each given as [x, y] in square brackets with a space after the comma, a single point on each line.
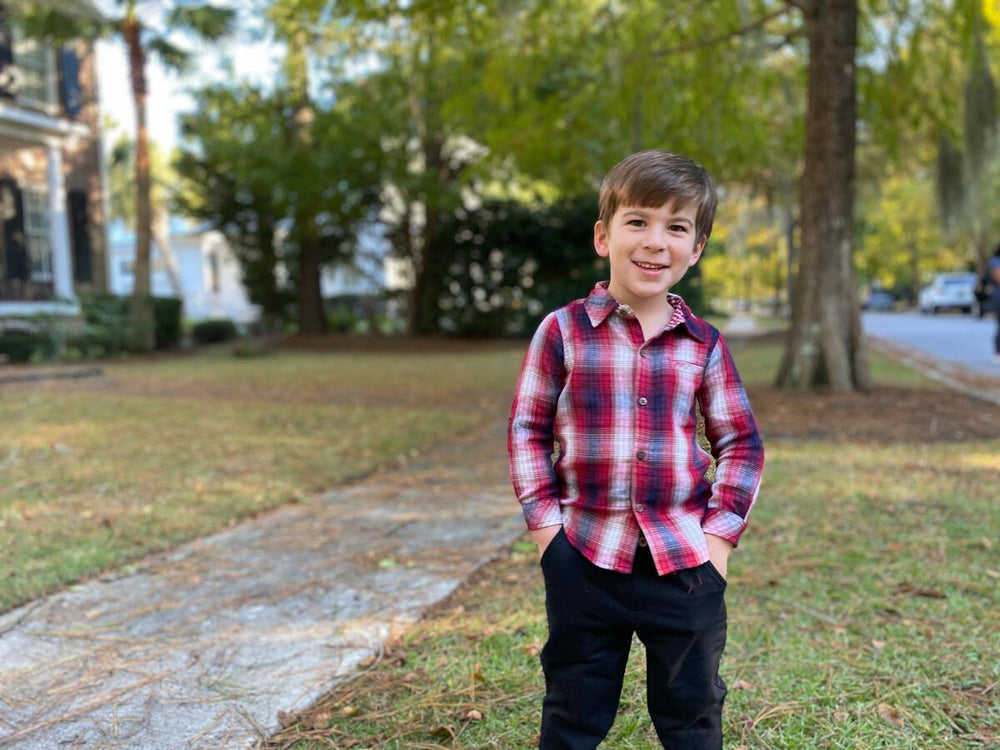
[564, 90]
[168, 322]
[19, 345]
[107, 323]
[213, 331]
[240, 175]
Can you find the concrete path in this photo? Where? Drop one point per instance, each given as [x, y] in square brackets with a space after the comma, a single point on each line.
[202, 647]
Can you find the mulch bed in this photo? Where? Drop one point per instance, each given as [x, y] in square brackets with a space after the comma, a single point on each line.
[883, 415]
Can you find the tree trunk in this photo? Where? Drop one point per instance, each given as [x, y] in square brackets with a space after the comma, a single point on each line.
[142, 335]
[160, 231]
[824, 346]
[312, 319]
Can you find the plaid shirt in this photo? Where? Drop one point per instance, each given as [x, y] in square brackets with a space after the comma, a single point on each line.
[624, 412]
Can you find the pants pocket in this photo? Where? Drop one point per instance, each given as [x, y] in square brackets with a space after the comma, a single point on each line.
[713, 573]
[558, 539]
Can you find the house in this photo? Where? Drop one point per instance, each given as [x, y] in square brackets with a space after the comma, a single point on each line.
[200, 268]
[52, 244]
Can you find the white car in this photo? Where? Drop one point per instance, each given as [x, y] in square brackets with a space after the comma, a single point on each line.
[949, 291]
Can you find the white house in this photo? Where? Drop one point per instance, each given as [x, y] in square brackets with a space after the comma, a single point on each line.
[209, 275]
[210, 279]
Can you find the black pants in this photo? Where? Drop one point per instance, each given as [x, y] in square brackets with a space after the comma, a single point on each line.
[592, 612]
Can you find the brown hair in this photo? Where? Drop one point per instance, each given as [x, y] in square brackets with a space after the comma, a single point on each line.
[649, 179]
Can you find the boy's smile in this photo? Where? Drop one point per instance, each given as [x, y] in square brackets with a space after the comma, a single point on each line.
[649, 251]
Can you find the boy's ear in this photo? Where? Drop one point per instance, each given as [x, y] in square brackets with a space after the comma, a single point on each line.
[601, 239]
[698, 250]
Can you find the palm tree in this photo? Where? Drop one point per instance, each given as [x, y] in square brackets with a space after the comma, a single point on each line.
[61, 21]
[122, 199]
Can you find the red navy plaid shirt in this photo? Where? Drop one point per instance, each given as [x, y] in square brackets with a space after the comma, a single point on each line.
[624, 412]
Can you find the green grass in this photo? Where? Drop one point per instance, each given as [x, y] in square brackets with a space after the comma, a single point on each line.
[863, 614]
[96, 473]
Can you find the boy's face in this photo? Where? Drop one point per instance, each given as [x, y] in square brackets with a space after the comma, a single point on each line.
[649, 250]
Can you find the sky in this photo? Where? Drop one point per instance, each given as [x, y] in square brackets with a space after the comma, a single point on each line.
[167, 98]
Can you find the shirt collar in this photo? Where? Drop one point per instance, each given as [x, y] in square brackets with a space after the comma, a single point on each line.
[600, 305]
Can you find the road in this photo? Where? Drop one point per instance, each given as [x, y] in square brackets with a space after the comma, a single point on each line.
[957, 338]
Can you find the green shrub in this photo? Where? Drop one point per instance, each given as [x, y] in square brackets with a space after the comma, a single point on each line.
[214, 330]
[167, 316]
[21, 345]
[105, 324]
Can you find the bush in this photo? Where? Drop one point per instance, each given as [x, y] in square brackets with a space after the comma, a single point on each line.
[106, 323]
[20, 345]
[167, 320]
[213, 331]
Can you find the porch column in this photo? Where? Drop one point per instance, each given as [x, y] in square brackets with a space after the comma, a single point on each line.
[62, 267]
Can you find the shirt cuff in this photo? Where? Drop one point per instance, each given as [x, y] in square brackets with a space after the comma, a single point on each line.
[725, 524]
[541, 513]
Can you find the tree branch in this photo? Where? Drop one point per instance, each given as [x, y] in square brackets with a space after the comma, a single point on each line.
[742, 31]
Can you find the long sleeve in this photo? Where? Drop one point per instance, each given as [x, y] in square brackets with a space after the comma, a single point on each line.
[736, 444]
[530, 433]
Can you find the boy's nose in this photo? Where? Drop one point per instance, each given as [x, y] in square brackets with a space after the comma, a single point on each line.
[656, 240]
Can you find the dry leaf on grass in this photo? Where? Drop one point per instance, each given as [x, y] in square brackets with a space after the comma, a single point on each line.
[890, 714]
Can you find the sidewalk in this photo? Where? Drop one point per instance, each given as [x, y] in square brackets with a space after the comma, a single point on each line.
[202, 647]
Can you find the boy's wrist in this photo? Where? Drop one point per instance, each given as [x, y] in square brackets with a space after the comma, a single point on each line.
[543, 537]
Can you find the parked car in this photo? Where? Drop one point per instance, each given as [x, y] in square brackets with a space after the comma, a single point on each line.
[949, 291]
[879, 299]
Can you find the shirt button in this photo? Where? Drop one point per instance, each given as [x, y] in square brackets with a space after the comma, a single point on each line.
[641, 455]
[639, 508]
[644, 352]
[643, 401]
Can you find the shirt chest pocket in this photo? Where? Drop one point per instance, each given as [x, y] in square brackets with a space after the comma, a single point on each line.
[682, 380]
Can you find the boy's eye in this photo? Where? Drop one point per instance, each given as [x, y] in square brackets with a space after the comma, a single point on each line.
[678, 228]
[636, 223]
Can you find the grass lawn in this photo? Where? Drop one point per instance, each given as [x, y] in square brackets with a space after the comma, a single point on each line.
[863, 600]
[99, 472]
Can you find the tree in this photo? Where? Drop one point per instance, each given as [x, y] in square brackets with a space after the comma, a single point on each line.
[143, 34]
[243, 172]
[824, 346]
[968, 162]
[295, 23]
[122, 199]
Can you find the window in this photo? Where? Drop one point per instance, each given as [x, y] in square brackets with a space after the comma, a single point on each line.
[36, 72]
[213, 270]
[36, 232]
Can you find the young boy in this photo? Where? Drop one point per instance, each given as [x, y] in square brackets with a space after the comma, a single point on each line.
[632, 535]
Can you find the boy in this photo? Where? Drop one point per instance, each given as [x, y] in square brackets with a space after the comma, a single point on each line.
[632, 537]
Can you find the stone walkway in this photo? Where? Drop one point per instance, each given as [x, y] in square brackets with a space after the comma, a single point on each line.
[200, 648]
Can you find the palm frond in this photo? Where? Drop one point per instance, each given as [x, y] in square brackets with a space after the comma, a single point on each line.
[204, 20]
[169, 54]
